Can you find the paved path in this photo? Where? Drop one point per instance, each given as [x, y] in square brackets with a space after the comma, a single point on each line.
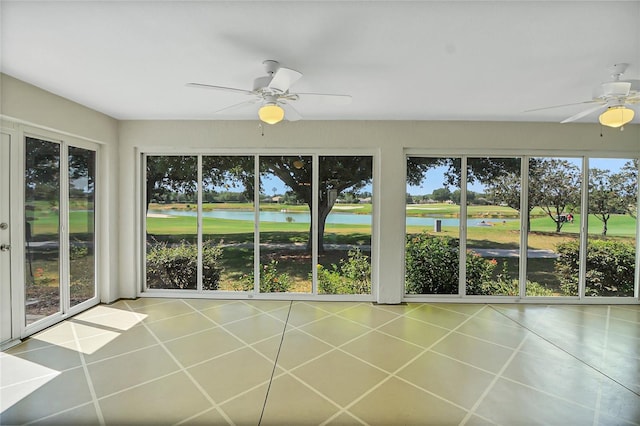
[538, 254]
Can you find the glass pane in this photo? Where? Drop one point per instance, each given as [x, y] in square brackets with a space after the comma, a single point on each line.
[493, 226]
[554, 226]
[611, 239]
[344, 225]
[42, 229]
[82, 177]
[171, 207]
[285, 224]
[228, 221]
[432, 250]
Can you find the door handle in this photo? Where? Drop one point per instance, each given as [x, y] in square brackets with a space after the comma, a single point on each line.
[5, 247]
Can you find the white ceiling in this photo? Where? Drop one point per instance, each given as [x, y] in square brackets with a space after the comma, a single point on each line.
[415, 60]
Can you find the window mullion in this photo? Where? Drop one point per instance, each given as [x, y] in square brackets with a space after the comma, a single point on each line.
[199, 226]
[462, 283]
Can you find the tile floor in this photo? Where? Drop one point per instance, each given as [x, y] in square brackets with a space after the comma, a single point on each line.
[189, 361]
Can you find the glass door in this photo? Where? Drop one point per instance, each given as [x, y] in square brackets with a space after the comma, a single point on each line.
[59, 229]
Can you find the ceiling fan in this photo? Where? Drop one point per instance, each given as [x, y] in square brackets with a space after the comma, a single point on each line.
[613, 97]
[272, 93]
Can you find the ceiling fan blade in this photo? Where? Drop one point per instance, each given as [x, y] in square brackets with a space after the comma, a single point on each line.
[583, 114]
[238, 105]
[290, 113]
[565, 105]
[227, 89]
[332, 99]
[283, 79]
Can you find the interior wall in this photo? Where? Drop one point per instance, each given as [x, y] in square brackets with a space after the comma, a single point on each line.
[26, 107]
[389, 139]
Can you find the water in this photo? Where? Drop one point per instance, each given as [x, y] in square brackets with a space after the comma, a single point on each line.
[333, 218]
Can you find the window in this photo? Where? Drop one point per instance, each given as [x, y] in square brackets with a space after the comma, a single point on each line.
[213, 223]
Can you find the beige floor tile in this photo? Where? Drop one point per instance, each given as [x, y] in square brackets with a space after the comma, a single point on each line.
[382, 350]
[414, 331]
[449, 379]
[627, 313]
[268, 347]
[204, 304]
[230, 312]
[67, 390]
[399, 309]
[54, 357]
[246, 408]
[115, 374]
[333, 307]
[368, 315]
[299, 347]
[493, 331]
[339, 376]
[211, 416]
[256, 328]
[463, 308]
[398, 403]
[202, 346]
[167, 308]
[473, 351]
[232, 374]
[624, 329]
[512, 404]
[135, 338]
[345, 419]
[270, 305]
[478, 421]
[618, 403]
[103, 316]
[562, 376]
[165, 401]
[84, 415]
[303, 313]
[334, 330]
[183, 325]
[438, 316]
[291, 403]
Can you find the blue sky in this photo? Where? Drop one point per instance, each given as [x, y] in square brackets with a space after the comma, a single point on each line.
[434, 178]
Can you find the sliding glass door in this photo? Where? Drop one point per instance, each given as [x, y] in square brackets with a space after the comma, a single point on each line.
[60, 237]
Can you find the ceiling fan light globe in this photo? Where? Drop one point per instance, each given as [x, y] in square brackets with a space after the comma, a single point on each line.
[271, 114]
[616, 116]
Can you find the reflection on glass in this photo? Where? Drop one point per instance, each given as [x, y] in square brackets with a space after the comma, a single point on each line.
[493, 226]
[432, 250]
[344, 224]
[613, 188]
[82, 175]
[285, 224]
[42, 229]
[171, 207]
[228, 221]
[553, 252]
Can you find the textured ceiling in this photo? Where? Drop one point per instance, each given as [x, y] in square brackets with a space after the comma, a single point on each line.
[399, 60]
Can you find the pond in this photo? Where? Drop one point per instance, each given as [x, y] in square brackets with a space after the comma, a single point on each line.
[333, 218]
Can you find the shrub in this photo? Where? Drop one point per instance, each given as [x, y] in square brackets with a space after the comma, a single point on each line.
[270, 280]
[610, 268]
[175, 266]
[353, 276]
[432, 267]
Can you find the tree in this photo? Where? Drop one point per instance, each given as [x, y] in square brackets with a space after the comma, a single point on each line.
[555, 188]
[441, 194]
[629, 178]
[336, 175]
[605, 198]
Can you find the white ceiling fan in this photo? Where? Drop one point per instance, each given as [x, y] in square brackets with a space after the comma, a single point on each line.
[272, 93]
[613, 97]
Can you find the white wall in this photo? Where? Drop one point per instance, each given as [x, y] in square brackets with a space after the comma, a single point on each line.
[24, 107]
[388, 138]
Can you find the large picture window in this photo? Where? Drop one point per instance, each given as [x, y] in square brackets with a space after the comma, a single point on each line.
[544, 210]
[261, 223]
